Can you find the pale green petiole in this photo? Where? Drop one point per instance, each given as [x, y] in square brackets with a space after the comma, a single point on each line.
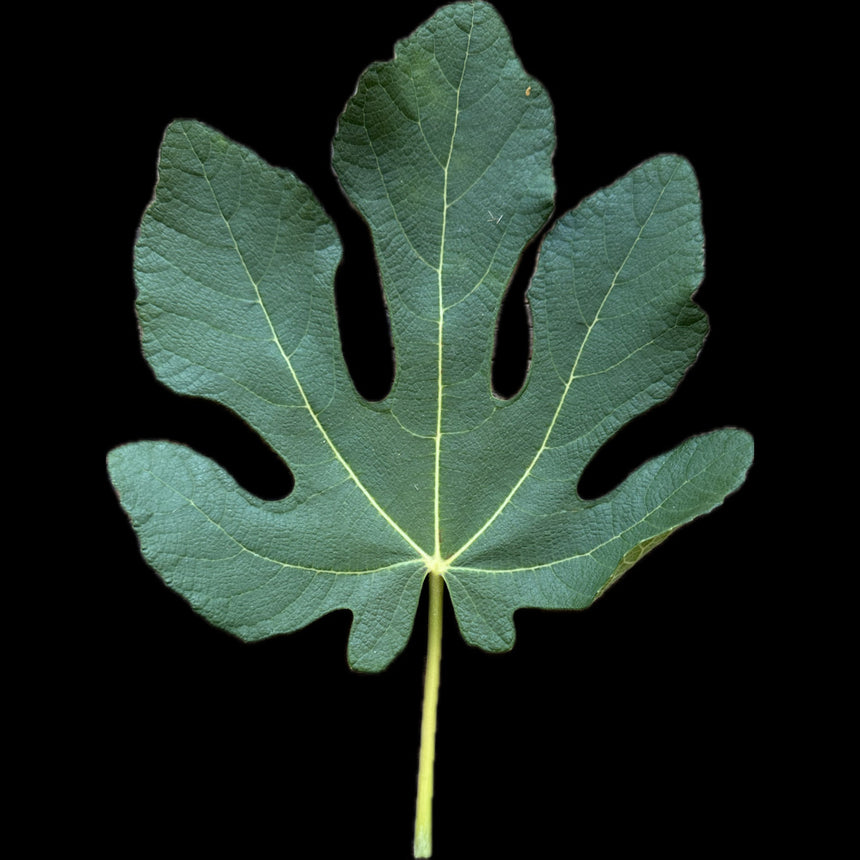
[423, 845]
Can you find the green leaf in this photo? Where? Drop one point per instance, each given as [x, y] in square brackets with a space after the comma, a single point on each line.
[446, 151]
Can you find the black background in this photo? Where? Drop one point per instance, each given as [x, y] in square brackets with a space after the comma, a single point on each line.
[621, 726]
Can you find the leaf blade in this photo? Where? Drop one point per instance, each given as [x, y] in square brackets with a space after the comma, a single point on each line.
[227, 553]
[214, 209]
[446, 150]
[567, 408]
[425, 181]
[667, 492]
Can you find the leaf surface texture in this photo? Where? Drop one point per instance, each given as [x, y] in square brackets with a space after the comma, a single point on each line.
[446, 151]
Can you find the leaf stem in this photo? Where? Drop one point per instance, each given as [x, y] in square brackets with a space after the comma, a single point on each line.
[423, 844]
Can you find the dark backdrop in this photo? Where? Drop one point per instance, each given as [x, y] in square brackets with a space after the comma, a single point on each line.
[610, 727]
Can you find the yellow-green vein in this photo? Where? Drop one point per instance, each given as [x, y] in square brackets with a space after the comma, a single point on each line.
[440, 387]
[567, 386]
[297, 382]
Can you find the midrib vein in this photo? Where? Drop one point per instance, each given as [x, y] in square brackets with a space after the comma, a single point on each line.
[299, 387]
[437, 514]
[543, 446]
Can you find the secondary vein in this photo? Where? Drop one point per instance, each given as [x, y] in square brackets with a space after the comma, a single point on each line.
[299, 387]
[565, 391]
